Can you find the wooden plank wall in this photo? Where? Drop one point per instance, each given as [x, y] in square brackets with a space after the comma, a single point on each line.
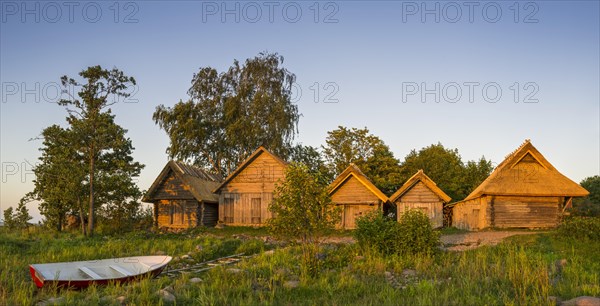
[256, 181]
[469, 215]
[433, 210]
[187, 208]
[422, 198]
[356, 200]
[209, 213]
[525, 212]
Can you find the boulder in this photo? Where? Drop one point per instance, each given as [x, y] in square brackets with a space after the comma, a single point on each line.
[582, 301]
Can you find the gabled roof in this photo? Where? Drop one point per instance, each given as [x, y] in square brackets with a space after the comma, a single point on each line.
[535, 177]
[245, 163]
[354, 171]
[200, 182]
[420, 176]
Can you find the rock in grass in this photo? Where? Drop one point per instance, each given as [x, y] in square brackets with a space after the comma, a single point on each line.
[554, 300]
[186, 256]
[195, 280]
[199, 248]
[234, 270]
[52, 301]
[122, 300]
[582, 301]
[269, 252]
[160, 253]
[167, 295]
[409, 273]
[291, 284]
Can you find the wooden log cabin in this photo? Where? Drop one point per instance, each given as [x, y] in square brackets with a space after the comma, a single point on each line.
[356, 194]
[245, 195]
[422, 193]
[183, 198]
[524, 191]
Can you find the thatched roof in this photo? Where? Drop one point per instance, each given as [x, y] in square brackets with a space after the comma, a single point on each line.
[245, 163]
[420, 176]
[525, 172]
[354, 171]
[200, 182]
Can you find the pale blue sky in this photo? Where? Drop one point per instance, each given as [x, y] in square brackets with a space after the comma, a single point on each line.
[365, 49]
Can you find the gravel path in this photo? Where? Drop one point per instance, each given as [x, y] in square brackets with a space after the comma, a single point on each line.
[457, 242]
[473, 240]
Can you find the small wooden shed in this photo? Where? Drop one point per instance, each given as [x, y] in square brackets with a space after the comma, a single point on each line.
[524, 191]
[422, 193]
[183, 198]
[245, 195]
[356, 194]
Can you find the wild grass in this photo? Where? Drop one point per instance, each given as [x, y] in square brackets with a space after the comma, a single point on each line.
[520, 271]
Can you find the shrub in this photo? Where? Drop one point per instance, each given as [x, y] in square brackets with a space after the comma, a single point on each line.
[417, 234]
[375, 232]
[412, 234]
[580, 228]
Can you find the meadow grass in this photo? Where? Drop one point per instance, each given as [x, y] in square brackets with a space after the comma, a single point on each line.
[520, 271]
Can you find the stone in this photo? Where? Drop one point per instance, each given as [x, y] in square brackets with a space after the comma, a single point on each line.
[167, 294]
[359, 257]
[234, 270]
[122, 300]
[195, 280]
[160, 253]
[409, 273]
[186, 256]
[388, 274]
[582, 301]
[199, 248]
[554, 300]
[52, 301]
[269, 252]
[220, 226]
[291, 284]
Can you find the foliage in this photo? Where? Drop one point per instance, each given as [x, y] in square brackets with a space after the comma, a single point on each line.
[17, 218]
[446, 168]
[367, 151]
[412, 234]
[230, 114]
[60, 178]
[93, 148]
[376, 232]
[590, 205]
[302, 210]
[580, 228]
[311, 157]
[416, 234]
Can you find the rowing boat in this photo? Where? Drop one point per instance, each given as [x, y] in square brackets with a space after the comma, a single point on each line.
[81, 274]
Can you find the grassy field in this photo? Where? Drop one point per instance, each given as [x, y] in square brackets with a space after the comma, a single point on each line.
[521, 270]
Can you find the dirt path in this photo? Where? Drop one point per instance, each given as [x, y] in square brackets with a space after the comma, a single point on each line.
[458, 242]
[473, 240]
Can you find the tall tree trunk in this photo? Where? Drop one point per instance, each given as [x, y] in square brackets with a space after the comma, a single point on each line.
[81, 217]
[91, 213]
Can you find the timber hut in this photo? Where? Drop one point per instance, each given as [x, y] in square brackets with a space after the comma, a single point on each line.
[356, 194]
[421, 192]
[183, 198]
[524, 191]
[245, 195]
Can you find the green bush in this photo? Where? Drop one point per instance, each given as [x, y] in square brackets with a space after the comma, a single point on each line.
[412, 234]
[376, 232]
[580, 228]
[417, 234]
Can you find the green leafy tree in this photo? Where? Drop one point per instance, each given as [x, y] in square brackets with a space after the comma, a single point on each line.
[17, 218]
[446, 168]
[367, 151]
[100, 144]
[60, 178]
[311, 157]
[589, 206]
[230, 114]
[302, 210]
